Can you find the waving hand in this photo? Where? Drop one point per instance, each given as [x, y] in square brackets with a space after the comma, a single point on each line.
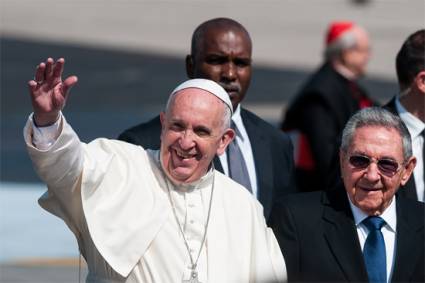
[48, 91]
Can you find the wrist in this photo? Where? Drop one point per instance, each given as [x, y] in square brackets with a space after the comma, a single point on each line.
[45, 120]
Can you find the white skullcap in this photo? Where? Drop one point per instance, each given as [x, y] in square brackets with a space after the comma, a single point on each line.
[207, 85]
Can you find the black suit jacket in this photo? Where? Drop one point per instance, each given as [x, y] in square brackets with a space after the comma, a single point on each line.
[272, 151]
[319, 112]
[409, 189]
[318, 238]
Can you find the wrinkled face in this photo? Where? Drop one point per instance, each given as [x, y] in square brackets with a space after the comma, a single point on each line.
[370, 188]
[224, 56]
[192, 134]
[356, 58]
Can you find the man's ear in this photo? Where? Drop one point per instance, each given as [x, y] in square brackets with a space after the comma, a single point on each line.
[408, 170]
[189, 66]
[225, 139]
[420, 81]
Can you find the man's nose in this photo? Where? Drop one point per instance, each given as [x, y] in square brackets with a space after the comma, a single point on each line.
[372, 172]
[187, 140]
[229, 71]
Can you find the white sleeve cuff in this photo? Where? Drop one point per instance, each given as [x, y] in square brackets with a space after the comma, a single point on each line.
[44, 137]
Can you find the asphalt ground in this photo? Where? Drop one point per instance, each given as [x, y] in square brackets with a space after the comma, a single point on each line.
[44, 271]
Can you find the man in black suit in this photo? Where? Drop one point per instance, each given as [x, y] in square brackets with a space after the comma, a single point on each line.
[410, 106]
[317, 115]
[325, 236]
[221, 51]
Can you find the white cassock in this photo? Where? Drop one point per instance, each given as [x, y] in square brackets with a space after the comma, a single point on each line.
[113, 196]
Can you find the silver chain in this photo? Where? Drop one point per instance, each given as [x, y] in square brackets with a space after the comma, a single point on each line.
[194, 263]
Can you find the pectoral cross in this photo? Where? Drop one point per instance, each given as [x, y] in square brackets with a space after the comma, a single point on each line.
[193, 277]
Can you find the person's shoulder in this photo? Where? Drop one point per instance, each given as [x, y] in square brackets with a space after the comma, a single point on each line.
[390, 106]
[412, 209]
[146, 134]
[235, 195]
[301, 205]
[300, 200]
[154, 123]
[113, 145]
[262, 125]
[230, 185]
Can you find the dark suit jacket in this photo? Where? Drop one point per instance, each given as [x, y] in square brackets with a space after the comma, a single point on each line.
[320, 112]
[318, 238]
[408, 190]
[272, 151]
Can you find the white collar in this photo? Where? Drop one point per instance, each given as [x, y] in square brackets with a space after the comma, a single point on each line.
[389, 214]
[413, 124]
[237, 119]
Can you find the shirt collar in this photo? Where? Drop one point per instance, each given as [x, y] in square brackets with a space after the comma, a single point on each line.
[413, 124]
[389, 214]
[237, 119]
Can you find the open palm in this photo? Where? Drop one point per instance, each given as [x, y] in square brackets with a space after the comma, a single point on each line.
[48, 91]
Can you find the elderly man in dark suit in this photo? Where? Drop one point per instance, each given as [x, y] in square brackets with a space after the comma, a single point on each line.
[410, 106]
[261, 157]
[360, 231]
[317, 115]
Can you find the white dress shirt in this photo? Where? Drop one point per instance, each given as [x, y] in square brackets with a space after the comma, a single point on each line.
[388, 231]
[415, 127]
[245, 146]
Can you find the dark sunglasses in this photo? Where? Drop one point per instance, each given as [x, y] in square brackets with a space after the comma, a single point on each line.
[387, 166]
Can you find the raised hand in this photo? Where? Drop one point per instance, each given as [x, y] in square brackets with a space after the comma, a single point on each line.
[48, 91]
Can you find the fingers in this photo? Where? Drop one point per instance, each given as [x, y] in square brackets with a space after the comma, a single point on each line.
[49, 71]
[49, 68]
[68, 84]
[39, 72]
[32, 85]
[58, 68]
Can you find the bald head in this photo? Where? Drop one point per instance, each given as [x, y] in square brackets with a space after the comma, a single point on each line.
[220, 24]
[221, 52]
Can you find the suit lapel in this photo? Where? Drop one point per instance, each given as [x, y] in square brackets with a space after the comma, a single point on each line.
[341, 235]
[217, 164]
[261, 151]
[409, 189]
[407, 240]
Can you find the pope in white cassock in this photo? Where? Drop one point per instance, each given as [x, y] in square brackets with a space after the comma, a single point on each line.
[152, 216]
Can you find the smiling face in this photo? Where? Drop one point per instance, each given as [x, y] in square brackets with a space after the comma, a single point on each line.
[192, 134]
[223, 55]
[369, 189]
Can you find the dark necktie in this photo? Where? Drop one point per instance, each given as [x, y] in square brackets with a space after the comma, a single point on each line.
[374, 250]
[237, 167]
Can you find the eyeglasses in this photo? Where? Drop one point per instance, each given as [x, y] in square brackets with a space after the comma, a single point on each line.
[387, 166]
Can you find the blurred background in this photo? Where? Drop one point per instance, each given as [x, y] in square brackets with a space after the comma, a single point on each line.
[129, 55]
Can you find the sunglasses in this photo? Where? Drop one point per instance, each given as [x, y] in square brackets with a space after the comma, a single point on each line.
[386, 166]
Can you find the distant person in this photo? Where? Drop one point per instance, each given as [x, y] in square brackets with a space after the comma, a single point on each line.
[317, 115]
[261, 157]
[152, 215]
[410, 106]
[360, 231]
